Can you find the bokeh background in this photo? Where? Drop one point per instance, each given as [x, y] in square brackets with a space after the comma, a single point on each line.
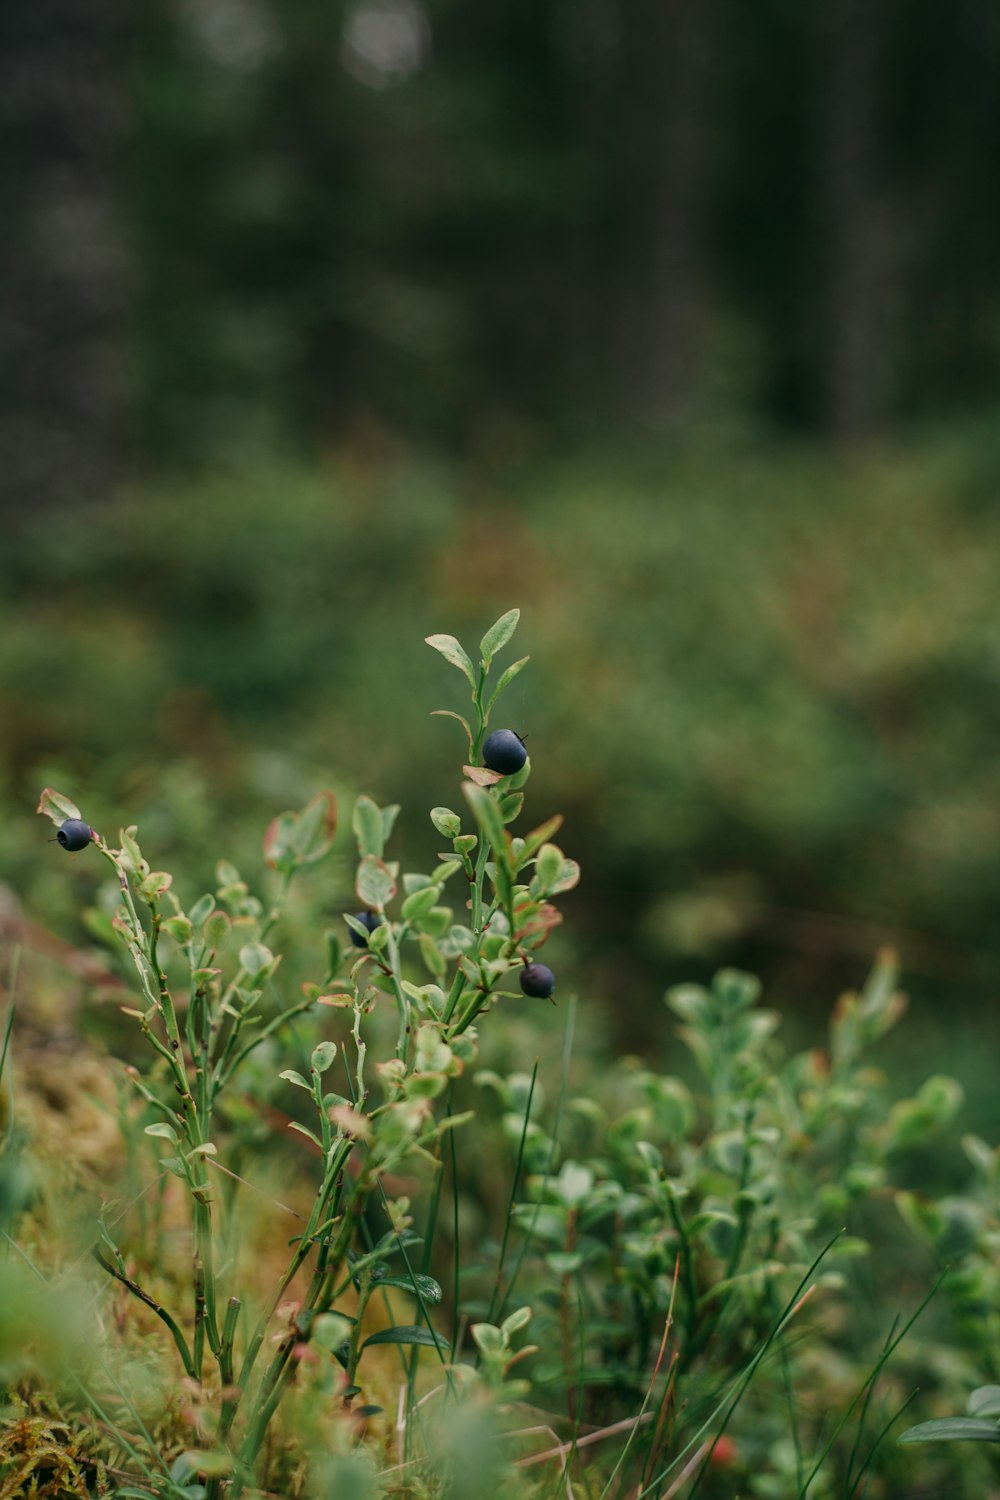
[326, 324]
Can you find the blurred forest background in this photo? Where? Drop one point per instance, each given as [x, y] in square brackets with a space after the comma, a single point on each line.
[330, 323]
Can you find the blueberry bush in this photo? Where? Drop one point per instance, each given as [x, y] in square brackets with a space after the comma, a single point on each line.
[380, 1220]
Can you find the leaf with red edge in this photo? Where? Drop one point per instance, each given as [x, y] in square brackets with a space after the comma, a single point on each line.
[541, 921]
[482, 776]
[447, 713]
[317, 828]
[58, 808]
[374, 884]
[294, 839]
[277, 841]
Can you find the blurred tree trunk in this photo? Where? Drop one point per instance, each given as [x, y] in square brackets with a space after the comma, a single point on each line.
[857, 225]
[61, 263]
[667, 92]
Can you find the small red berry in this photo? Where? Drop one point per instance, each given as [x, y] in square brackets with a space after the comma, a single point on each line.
[725, 1453]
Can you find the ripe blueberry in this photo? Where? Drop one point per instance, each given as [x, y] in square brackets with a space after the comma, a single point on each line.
[73, 835]
[504, 752]
[537, 981]
[369, 919]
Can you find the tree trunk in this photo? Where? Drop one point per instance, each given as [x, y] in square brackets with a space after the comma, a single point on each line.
[61, 262]
[857, 221]
[667, 86]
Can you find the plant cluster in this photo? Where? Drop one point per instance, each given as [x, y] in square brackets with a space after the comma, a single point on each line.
[689, 1250]
[211, 998]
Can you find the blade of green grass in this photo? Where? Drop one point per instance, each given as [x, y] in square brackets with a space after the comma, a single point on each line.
[563, 1080]
[882, 1360]
[742, 1381]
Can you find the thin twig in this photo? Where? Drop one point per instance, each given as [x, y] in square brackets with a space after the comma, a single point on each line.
[627, 1424]
[254, 1188]
[686, 1472]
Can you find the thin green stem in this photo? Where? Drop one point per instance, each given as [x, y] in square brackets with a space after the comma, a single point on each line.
[553, 1153]
[513, 1196]
[161, 1312]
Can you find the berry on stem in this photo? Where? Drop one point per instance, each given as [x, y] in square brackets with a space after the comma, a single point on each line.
[538, 981]
[74, 835]
[504, 751]
[369, 919]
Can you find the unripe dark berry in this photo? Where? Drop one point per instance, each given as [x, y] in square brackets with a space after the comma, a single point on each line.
[73, 835]
[504, 752]
[537, 981]
[369, 919]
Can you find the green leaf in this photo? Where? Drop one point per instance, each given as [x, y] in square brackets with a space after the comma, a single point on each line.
[163, 1131]
[408, 1333]
[291, 1076]
[432, 956]
[539, 836]
[510, 805]
[202, 909]
[447, 823]
[131, 853]
[487, 815]
[389, 815]
[367, 825]
[420, 903]
[179, 928]
[294, 839]
[215, 928]
[498, 635]
[548, 867]
[984, 1402]
[212, 1464]
[428, 1288]
[316, 827]
[453, 651]
[55, 806]
[564, 1262]
[515, 1321]
[953, 1429]
[256, 958]
[323, 1057]
[437, 921]
[574, 1183]
[569, 876]
[330, 1330]
[489, 1339]
[446, 713]
[504, 680]
[374, 884]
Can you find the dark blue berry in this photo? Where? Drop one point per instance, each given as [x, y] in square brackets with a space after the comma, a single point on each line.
[537, 981]
[73, 835]
[369, 919]
[504, 752]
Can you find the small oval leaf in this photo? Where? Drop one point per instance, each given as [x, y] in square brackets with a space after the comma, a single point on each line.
[453, 651]
[498, 635]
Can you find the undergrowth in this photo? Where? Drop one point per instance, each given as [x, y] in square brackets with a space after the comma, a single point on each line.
[355, 1241]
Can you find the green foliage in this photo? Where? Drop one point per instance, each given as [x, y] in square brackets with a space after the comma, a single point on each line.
[780, 764]
[692, 1254]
